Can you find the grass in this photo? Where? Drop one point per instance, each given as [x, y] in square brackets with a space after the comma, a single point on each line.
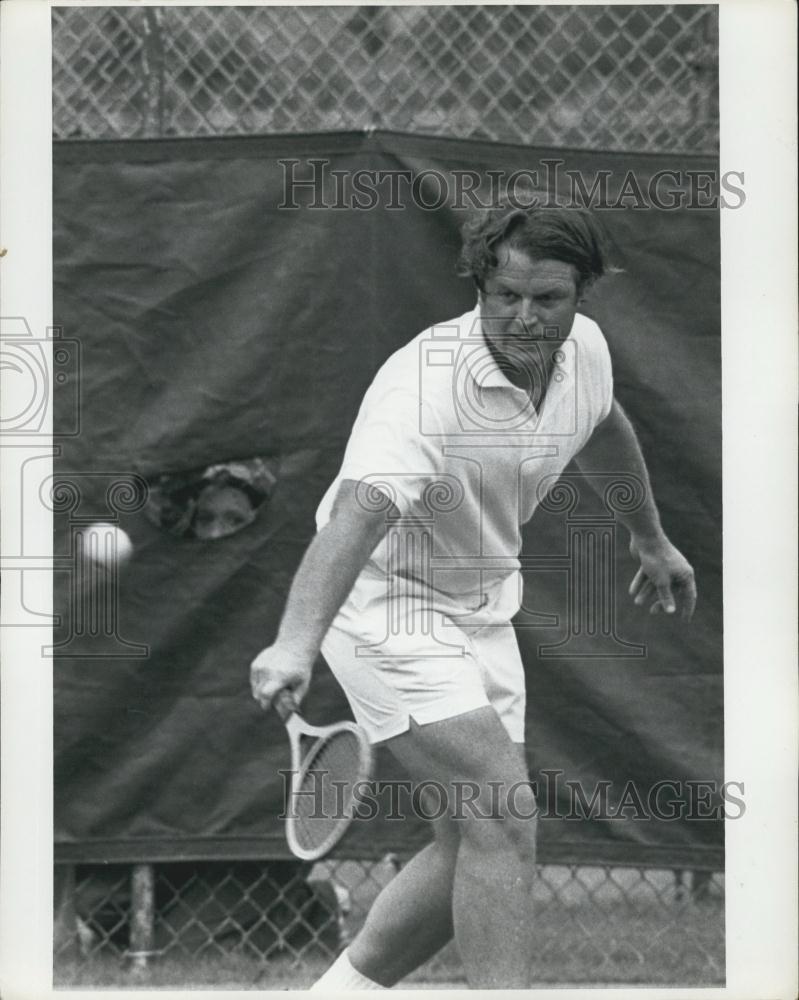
[596, 926]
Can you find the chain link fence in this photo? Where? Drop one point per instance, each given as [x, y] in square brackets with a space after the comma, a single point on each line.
[637, 78]
[280, 923]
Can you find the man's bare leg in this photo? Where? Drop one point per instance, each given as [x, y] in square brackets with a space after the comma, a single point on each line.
[488, 891]
[492, 907]
[411, 919]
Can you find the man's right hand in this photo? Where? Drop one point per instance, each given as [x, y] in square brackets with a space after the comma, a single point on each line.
[275, 668]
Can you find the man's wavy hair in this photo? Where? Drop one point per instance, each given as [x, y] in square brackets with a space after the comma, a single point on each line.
[571, 235]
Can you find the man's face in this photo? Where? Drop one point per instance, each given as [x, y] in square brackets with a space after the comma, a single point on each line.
[527, 306]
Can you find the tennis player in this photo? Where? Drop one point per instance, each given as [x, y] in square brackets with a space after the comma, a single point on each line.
[456, 438]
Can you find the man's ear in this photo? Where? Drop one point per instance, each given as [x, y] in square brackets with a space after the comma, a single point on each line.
[584, 289]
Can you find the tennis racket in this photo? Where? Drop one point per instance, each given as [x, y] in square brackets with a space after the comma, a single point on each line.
[327, 763]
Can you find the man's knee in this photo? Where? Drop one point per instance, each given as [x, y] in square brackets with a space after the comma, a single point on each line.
[468, 769]
[502, 817]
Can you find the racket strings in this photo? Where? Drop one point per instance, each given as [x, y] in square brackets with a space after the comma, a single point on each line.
[322, 800]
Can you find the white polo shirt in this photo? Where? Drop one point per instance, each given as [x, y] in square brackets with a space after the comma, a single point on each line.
[465, 458]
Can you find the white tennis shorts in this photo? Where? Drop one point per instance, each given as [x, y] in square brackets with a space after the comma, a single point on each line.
[421, 664]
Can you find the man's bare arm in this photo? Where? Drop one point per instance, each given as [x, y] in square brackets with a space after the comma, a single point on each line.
[665, 577]
[325, 577]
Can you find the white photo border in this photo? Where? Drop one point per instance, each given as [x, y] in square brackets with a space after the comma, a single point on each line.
[759, 351]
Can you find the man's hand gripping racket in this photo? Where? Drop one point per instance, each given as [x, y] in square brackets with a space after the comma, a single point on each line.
[327, 762]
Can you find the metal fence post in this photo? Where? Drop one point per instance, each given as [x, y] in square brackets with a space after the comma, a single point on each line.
[142, 917]
[65, 920]
[153, 65]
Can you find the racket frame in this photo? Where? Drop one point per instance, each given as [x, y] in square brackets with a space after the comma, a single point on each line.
[297, 729]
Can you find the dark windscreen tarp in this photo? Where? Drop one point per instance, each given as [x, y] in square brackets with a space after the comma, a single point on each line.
[215, 326]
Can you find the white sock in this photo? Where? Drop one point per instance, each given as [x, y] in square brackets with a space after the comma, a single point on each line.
[342, 976]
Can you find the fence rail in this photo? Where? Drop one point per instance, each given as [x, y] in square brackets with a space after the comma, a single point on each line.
[281, 923]
[636, 78]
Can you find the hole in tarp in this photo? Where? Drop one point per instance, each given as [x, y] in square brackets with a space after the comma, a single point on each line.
[213, 501]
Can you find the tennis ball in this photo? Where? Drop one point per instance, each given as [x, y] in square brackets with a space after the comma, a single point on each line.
[106, 544]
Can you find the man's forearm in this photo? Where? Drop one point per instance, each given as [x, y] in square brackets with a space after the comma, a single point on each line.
[614, 448]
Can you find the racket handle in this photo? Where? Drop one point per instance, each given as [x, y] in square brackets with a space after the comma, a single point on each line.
[284, 704]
